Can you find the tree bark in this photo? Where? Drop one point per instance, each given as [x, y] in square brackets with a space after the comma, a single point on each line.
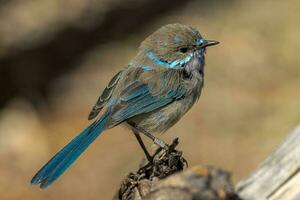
[278, 177]
[165, 179]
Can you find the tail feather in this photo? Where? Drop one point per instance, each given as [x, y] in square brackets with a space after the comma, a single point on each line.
[55, 167]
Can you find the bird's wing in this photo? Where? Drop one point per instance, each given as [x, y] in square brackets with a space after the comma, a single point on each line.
[105, 96]
[147, 92]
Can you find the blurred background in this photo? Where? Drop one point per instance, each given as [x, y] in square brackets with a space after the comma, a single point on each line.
[56, 56]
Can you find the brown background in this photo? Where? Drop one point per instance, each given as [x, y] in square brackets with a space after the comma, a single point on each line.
[57, 55]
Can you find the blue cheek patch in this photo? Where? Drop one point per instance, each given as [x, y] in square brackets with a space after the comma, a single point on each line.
[180, 62]
[172, 64]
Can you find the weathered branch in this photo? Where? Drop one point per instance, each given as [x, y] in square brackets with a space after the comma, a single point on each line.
[164, 178]
[278, 178]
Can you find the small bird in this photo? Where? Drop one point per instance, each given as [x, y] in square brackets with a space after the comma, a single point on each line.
[159, 85]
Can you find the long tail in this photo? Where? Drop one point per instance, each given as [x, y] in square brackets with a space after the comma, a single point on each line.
[55, 167]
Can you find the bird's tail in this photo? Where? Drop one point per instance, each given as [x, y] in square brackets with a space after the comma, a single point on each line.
[55, 167]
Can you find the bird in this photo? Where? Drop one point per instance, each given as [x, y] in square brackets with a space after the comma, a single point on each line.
[157, 87]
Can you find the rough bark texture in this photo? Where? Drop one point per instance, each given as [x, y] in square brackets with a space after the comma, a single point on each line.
[165, 179]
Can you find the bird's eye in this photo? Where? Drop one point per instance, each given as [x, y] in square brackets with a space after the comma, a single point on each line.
[183, 49]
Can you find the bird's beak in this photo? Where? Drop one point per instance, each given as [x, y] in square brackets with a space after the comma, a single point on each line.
[207, 43]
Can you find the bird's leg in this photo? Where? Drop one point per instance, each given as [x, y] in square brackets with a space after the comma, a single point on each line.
[139, 139]
[156, 140]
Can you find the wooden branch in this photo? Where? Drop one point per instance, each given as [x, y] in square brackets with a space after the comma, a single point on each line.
[165, 179]
[278, 177]
[197, 183]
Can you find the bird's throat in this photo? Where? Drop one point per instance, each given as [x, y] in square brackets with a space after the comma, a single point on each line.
[196, 63]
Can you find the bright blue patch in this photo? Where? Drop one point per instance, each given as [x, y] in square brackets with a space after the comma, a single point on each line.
[199, 41]
[174, 63]
[146, 67]
[155, 59]
[176, 39]
[181, 62]
[168, 64]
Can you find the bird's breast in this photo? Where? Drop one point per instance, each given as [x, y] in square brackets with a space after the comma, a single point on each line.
[160, 120]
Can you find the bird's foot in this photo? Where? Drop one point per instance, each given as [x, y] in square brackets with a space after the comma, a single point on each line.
[164, 150]
[161, 143]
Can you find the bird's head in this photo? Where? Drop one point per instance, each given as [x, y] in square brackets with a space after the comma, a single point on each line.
[176, 46]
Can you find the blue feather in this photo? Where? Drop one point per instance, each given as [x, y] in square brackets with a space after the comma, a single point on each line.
[146, 67]
[138, 92]
[170, 64]
[141, 101]
[55, 167]
[155, 59]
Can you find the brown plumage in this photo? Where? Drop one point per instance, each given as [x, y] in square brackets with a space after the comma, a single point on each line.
[160, 84]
